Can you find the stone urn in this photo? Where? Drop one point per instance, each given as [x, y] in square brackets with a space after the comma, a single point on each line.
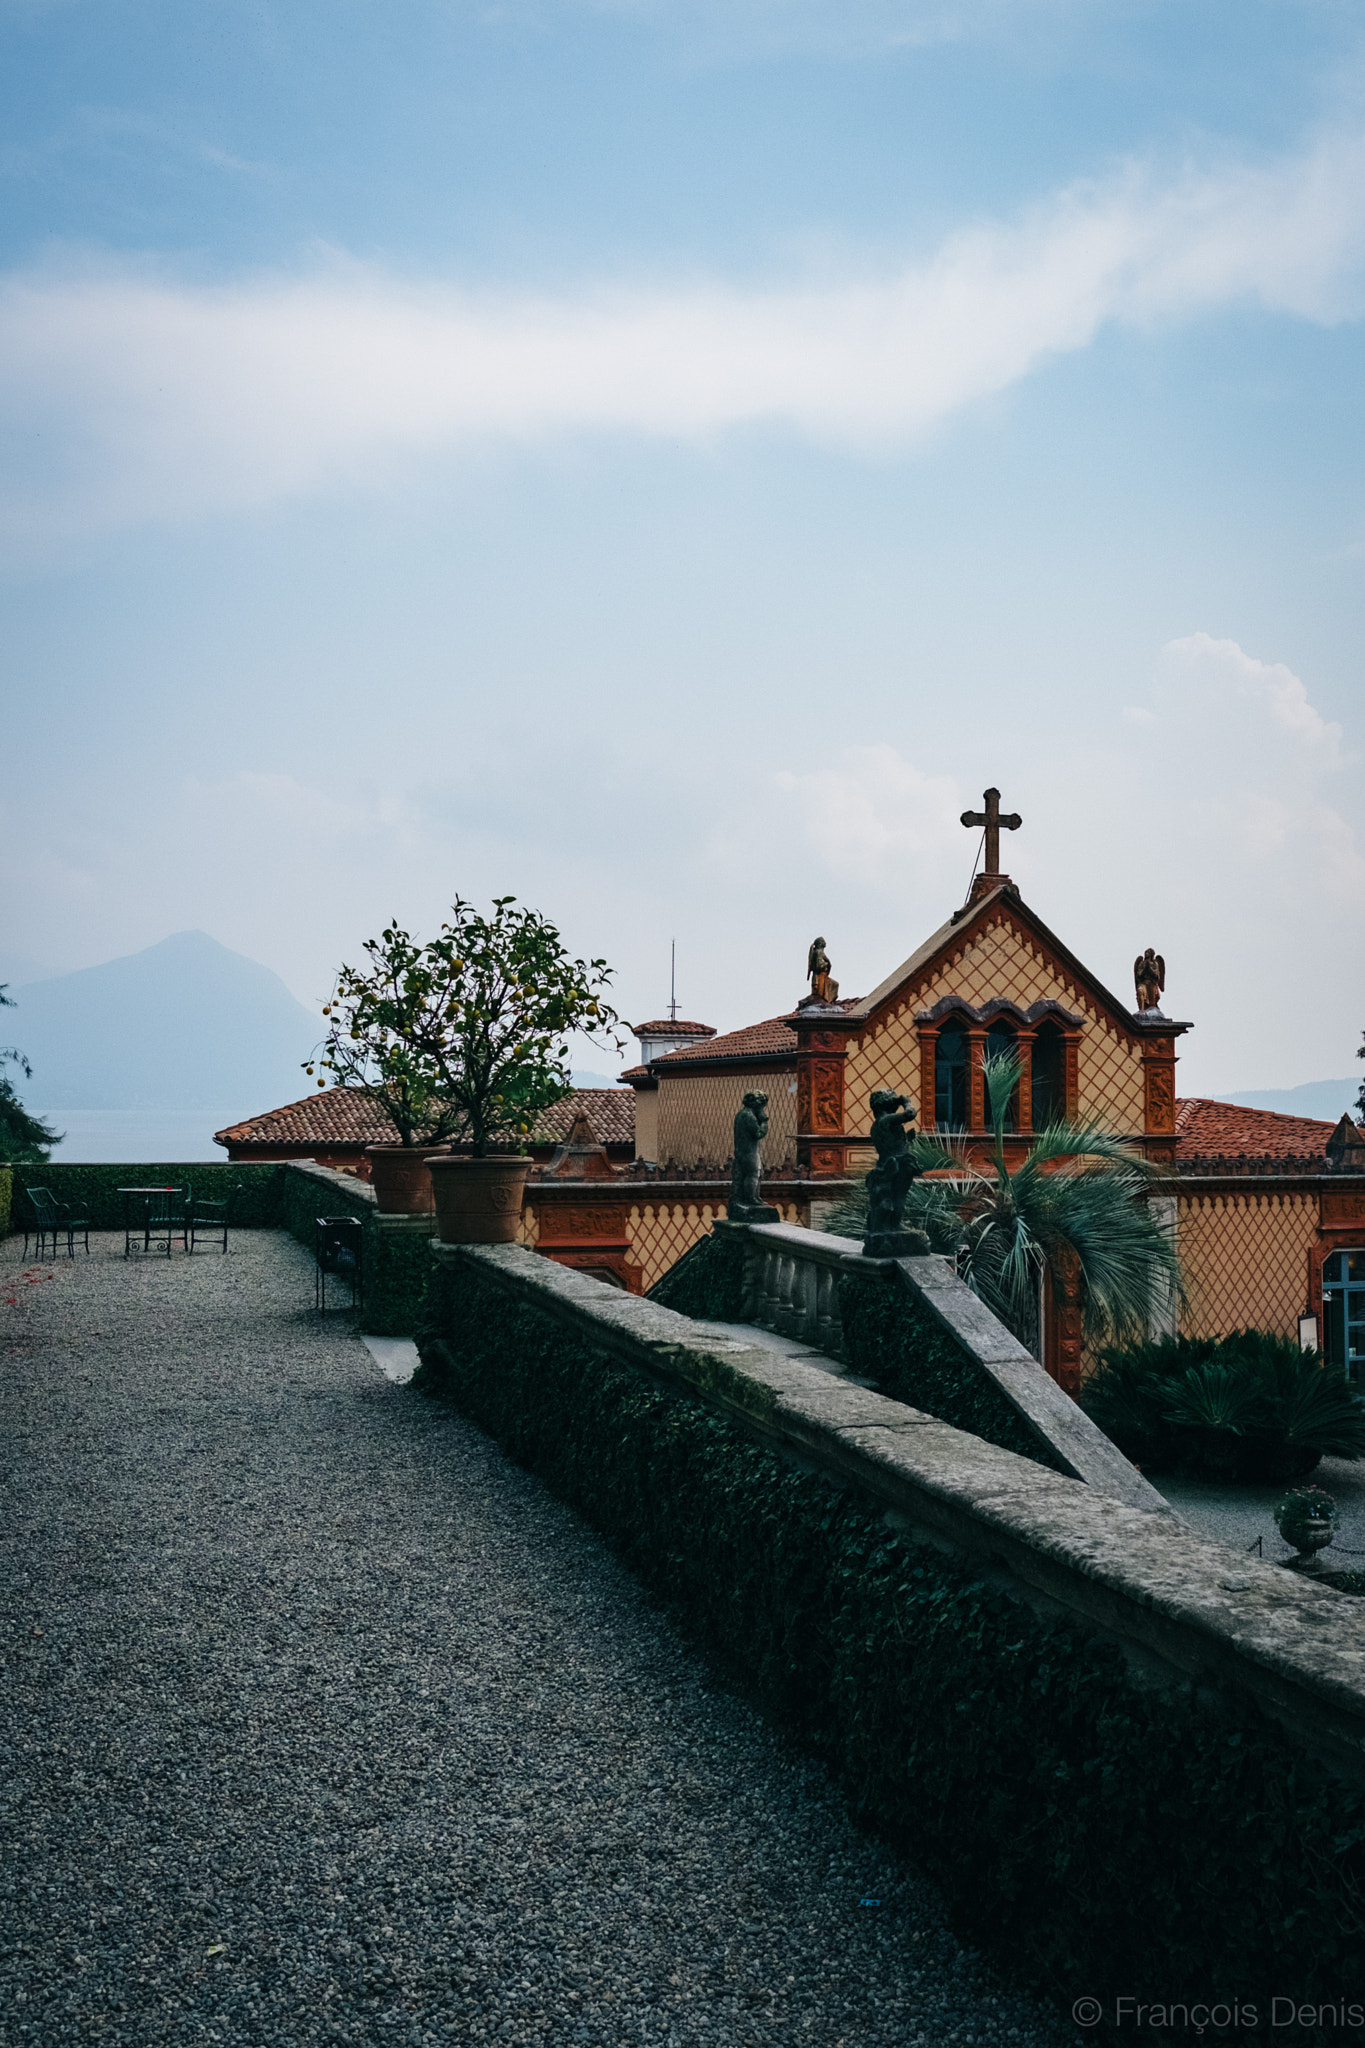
[399, 1177]
[1307, 1518]
[478, 1201]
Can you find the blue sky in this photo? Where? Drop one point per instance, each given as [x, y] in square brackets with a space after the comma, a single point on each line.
[665, 460]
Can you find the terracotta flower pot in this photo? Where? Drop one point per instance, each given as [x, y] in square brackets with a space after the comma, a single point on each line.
[478, 1201]
[399, 1177]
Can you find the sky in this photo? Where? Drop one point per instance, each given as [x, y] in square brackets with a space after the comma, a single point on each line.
[663, 460]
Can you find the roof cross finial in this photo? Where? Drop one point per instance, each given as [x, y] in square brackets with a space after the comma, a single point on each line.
[993, 820]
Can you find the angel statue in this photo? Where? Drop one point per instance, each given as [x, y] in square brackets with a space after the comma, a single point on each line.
[1149, 979]
[823, 988]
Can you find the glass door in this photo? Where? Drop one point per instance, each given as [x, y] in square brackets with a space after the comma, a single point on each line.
[1343, 1312]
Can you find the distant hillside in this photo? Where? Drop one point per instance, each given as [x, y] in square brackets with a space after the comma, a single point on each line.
[184, 1025]
[1325, 1099]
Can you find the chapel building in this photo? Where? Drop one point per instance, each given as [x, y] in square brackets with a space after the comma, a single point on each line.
[1269, 1211]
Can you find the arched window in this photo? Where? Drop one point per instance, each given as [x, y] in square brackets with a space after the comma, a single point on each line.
[1049, 1077]
[1001, 1045]
[950, 1077]
[1343, 1311]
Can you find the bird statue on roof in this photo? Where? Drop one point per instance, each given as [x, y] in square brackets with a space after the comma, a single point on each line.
[1149, 979]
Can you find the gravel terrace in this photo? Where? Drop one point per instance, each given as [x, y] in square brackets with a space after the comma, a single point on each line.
[325, 1723]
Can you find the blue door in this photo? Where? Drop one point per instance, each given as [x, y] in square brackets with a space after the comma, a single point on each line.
[1343, 1311]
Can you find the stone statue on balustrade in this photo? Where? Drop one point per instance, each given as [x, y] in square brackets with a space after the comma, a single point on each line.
[889, 1182]
[746, 1203]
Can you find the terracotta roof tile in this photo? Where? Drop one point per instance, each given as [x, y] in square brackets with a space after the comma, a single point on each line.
[610, 1111]
[1224, 1130]
[659, 1027]
[343, 1116]
[773, 1037]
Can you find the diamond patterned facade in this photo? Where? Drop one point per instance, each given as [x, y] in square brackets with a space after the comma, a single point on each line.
[1000, 960]
[697, 1118]
[1246, 1259]
[660, 1232]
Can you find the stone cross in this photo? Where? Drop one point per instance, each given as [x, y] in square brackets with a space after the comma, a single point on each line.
[992, 819]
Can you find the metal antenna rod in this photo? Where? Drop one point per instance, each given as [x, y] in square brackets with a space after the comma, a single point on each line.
[673, 981]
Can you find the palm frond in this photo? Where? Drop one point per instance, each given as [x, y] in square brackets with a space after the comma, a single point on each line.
[1001, 1072]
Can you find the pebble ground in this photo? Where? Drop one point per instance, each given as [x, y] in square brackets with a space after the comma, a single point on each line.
[324, 1723]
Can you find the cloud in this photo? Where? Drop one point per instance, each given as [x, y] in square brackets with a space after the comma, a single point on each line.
[129, 396]
[874, 816]
[1276, 803]
[1234, 676]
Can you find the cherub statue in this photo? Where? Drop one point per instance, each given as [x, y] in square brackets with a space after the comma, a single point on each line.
[746, 1204]
[1149, 979]
[888, 1184]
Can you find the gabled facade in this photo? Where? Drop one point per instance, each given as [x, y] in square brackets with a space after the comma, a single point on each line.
[993, 978]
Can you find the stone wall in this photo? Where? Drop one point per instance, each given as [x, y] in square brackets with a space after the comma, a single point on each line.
[1134, 1759]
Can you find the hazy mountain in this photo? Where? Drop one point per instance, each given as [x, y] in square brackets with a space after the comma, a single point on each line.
[184, 1025]
[1326, 1099]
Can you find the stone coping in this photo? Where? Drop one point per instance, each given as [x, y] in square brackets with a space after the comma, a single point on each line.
[1181, 1606]
[1084, 1451]
[328, 1176]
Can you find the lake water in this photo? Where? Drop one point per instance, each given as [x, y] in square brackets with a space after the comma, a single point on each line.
[100, 1137]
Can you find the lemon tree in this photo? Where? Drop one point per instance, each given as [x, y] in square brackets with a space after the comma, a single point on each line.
[467, 1035]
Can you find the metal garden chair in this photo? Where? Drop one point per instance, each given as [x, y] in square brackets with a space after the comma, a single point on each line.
[52, 1219]
[167, 1215]
[338, 1251]
[211, 1219]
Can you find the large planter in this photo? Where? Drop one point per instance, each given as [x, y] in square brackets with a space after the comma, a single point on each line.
[399, 1177]
[478, 1201]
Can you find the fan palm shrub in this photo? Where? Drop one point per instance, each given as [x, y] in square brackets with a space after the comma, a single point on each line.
[1247, 1407]
[1074, 1202]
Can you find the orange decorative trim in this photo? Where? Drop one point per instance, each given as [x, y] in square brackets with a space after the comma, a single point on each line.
[976, 1079]
[820, 1059]
[1342, 1208]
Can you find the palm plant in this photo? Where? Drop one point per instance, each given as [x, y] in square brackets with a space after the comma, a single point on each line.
[1074, 1202]
[1249, 1406]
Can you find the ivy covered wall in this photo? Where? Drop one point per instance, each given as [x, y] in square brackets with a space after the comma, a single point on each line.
[1106, 1838]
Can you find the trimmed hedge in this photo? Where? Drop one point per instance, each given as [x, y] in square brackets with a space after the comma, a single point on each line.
[1104, 1838]
[93, 1191]
[397, 1263]
[893, 1340]
[6, 1196]
[706, 1282]
[396, 1279]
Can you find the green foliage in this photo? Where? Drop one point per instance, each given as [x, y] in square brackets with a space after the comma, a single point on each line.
[1093, 1830]
[466, 1035]
[93, 1191]
[1299, 1508]
[1006, 1227]
[6, 1199]
[706, 1282]
[24, 1138]
[891, 1339]
[1247, 1407]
